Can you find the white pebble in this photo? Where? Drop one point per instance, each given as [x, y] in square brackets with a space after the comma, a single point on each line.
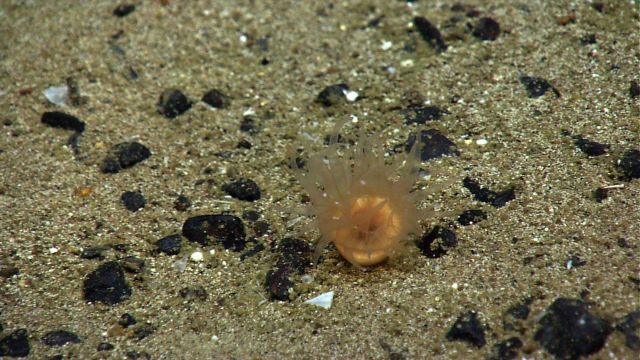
[197, 256]
[481, 142]
[323, 300]
[58, 95]
[351, 95]
[386, 45]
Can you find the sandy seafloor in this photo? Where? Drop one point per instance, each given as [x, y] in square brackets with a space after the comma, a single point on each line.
[401, 309]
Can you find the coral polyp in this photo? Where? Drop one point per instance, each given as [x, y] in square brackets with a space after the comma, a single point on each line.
[361, 201]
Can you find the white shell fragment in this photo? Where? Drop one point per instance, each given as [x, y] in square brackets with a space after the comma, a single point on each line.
[323, 300]
[58, 95]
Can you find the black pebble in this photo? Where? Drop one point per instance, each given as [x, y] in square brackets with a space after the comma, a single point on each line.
[472, 216]
[589, 147]
[431, 248]
[182, 203]
[124, 10]
[430, 33]
[506, 350]
[133, 200]
[494, 198]
[59, 338]
[58, 119]
[215, 98]
[106, 284]
[468, 328]
[515, 314]
[170, 245]
[569, 331]
[244, 144]
[629, 164]
[124, 155]
[252, 252]
[172, 103]
[588, 39]
[16, 344]
[105, 346]
[251, 215]
[420, 115]
[143, 330]
[537, 87]
[634, 89]
[127, 320]
[628, 325]
[332, 94]
[434, 145]
[294, 259]
[243, 189]
[94, 252]
[486, 29]
[194, 292]
[249, 125]
[225, 229]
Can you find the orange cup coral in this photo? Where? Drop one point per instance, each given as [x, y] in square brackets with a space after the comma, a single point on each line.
[362, 203]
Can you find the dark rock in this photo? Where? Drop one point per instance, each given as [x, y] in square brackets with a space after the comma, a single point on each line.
[133, 200]
[124, 155]
[7, 271]
[430, 34]
[252, 252]
[469, 329]
[589, 147]
[249, 125]
[225, 229]
[600, 194]
[332, 95]
[437, 242]
[106, 284]
[123, 10]
[495, 199]
[16, 344]
[59, 338]
[105, 346]
[506, 350]
[294, 259]
[261, 228]
[127, 320]
[60, 120]
[194, 292]
[94, 252]
[172, 103]
[170, 245]
[472, 216]
[420, 115]
[588, 39]
[569, 331]
[629, 165]
[433, 145]
[132, 264]
[537, 87]
[629, 326]
[278, 284]
[243, 189]
[243, 144]
[251, 215]
[182, 203]
[143, 330]
[215, 98]
[634, 89]
[515, 314]
[486, 29]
